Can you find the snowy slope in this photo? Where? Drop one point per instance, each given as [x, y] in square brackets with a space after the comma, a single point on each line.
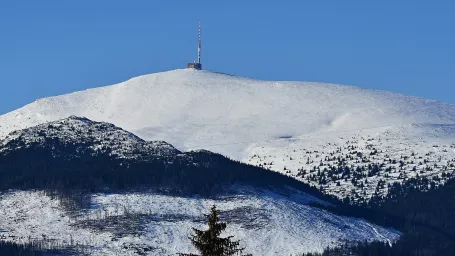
[263, 122]
[152, 224]
[274, 219]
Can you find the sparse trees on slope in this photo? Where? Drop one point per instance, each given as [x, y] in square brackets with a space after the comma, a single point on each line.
[209, 243]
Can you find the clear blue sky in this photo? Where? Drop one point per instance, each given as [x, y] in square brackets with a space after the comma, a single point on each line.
[59, 46]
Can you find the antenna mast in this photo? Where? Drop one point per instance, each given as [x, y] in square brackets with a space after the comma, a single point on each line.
[199, 43]
[197, 65]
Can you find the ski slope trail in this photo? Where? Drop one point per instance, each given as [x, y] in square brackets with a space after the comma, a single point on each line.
[257, 122]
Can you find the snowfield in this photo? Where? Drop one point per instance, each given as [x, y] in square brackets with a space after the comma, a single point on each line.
[288, 127]
[130, 224]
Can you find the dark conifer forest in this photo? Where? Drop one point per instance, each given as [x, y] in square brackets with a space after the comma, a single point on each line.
[12, 249]
[426, 218]
[202, 172]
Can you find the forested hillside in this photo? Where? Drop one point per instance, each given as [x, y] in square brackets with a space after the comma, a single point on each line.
[424, 213]
[93, 187]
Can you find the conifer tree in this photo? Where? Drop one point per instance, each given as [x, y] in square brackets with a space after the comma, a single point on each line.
[209, 243]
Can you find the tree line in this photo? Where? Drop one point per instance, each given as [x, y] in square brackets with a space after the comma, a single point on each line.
[423, 212]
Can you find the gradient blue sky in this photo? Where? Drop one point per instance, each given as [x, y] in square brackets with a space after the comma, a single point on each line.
[60, 46]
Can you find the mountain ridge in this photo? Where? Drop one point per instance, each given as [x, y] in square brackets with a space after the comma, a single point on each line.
[183, 77]
[104, 136]
[276, 125]
[147, 201]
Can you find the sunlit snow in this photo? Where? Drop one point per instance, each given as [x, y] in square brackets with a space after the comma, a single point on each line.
[263, 122]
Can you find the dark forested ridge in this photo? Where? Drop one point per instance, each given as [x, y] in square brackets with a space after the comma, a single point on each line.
[426, 218]
[190, 173]
[429, 217]
[60, 157]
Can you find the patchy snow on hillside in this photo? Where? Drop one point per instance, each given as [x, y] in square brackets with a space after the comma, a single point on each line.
[399, 152]
[129, 224]
[259, 122]
[100, 137]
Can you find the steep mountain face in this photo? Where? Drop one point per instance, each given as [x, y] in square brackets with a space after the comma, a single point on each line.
[345, 140]
[139, 197]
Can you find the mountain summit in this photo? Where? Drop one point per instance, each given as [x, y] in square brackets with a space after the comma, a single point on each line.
[285, 126]
[202, 108]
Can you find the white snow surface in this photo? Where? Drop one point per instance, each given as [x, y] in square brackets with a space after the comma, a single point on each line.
[263, 122]
[267, 223]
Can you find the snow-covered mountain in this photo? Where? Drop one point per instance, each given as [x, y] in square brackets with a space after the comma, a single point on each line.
[100, 137]
[273, 217]
[303, 129]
